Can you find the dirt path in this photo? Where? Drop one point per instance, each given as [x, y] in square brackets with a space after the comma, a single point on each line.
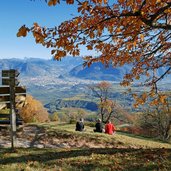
[29, 136]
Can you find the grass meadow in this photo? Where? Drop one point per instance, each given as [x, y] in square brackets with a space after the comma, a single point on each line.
[100, 152]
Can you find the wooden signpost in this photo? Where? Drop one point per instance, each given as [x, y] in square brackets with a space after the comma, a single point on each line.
[8, 92]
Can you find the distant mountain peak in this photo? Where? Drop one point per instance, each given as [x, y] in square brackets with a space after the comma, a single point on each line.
[97, 71]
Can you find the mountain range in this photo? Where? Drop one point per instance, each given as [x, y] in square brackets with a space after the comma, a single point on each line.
[39, 67]
[68, 67]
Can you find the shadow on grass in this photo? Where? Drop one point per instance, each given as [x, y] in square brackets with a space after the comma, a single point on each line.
[43, 155]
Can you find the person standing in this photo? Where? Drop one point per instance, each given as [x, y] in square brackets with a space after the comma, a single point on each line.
[109, 128]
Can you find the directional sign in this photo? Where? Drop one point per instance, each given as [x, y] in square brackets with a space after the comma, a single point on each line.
[18, 90]
[10, 93]
[4, 98]
[7, 81]
[10, 73]
[4, 90]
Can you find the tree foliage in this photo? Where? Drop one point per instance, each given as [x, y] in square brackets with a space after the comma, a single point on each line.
[136, 32]
[107, 108]
[101, 91]
[54, 117]
[75, 113]
[113, 110]
[157, 120]
[33, 111]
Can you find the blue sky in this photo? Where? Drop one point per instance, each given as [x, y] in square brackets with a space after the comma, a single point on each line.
[15, 13]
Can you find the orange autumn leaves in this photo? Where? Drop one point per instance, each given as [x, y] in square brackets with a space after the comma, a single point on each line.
[22, 31]
[33, 111]
[156, 100]
[54, 2]
[135, 32]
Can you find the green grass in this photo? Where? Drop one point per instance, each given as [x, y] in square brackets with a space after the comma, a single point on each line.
[119, 138]
[119, 152]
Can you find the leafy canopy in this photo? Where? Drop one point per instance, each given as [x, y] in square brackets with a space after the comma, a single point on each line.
[136, 32]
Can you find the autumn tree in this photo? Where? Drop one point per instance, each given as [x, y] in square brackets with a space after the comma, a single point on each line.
[108, 108]
[75, 114]
[157, 120]
[122, 32]
[113, 110]
[54, 117]
[33, 111]
[101, 91]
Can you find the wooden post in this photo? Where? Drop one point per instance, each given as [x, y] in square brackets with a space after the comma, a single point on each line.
[12, 110]
[9, 79]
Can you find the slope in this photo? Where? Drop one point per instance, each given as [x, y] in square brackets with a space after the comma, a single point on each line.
[84, 151]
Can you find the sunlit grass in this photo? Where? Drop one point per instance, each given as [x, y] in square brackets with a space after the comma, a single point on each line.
[120, 152]
[119, 137]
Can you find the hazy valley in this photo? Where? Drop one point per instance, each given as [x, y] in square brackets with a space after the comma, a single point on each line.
[67, 81]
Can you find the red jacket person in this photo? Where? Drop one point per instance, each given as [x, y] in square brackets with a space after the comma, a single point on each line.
[109, 128]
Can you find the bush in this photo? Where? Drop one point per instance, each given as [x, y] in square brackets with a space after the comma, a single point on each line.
[54, 117]
[33, 111]
[63, 117]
